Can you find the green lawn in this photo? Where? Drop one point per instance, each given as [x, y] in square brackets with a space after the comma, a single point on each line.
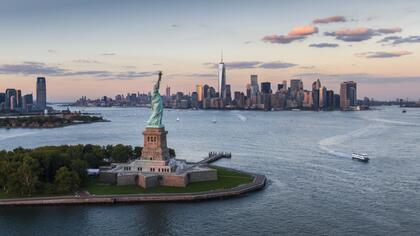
[226, 179]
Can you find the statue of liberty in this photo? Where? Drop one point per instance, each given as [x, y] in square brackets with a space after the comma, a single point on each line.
[155, 120]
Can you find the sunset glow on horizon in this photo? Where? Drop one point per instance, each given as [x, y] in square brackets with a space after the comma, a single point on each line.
[97, 48]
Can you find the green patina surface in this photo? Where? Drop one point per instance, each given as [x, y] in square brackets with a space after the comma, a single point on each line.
[226, 179]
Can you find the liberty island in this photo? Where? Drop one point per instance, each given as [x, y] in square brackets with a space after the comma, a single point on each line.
[156, 167]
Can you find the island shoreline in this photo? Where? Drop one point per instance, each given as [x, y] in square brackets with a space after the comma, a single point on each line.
[258, 183]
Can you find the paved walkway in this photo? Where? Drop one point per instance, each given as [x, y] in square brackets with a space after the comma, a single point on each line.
[85, 198]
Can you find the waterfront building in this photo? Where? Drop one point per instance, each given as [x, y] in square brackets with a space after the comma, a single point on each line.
[330, 100]
[266, 87]
[168, 91]
[206, 93]
[199, 90]
[41, 93]
[296, 93]
[194, 100]
[2, 102]
[307, 99]
[27, 103]
[336, 101]
[222, 79]
[254, 85]
[322, 97]
[285, 85]
[19, 99]
[228, 95]
[348, 95]
[10, 99]
[248, 90]
[316, 86]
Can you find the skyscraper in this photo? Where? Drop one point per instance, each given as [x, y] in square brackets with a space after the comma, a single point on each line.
[254, 85]
[222, 79]
[2, 101]
[168, 91]
[199, 92]
[10, 100]
[41, 93]
[266, 87]
[228, 95]
[27, 103]
[316, 86]
[348, 94]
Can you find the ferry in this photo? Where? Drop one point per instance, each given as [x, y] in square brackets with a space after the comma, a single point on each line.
[360, 157]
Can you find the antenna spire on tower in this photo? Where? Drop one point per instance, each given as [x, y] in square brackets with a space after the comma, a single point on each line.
[221, 58]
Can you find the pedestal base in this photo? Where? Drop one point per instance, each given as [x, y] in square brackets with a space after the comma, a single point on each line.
[155, 147]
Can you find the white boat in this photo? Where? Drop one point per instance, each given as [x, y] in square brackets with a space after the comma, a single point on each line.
[360, 157]
[177, 119]
[214, 120]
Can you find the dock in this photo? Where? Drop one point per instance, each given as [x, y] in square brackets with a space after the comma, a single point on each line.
[214, 156]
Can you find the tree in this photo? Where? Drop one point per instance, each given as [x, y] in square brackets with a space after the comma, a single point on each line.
[121, 153]
[80, 167]
[66, 181]
[24, 179]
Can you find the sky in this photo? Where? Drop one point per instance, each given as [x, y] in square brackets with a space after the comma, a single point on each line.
[104, 47]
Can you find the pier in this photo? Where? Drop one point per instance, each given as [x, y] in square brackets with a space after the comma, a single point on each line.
[214, 156]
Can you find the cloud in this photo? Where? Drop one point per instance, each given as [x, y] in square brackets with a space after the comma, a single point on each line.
[323, 45]
[389, 30]
[175, 26]
[87, 61]
[297, 33]
[360, 34]
[399, 40]
[202, 75]
[38, 68]
[303, 30]
[281, 39]
[276, 65]
[253, 64]
[242, 64]
[108, 54]
[352, 35]
[30, 68]
[363, 78]
[383, 54]
[52, 51]
[330, 19]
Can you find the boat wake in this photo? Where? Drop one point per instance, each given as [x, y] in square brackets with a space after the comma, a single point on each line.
[328, 145]
[394, 122]
[241, 117]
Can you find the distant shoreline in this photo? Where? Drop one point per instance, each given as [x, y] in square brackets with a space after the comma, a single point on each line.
[47, 122]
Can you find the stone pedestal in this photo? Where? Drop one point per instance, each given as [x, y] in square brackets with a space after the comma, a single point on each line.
[155, 147]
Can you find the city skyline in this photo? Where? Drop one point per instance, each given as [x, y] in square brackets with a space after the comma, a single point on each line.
[376, 45]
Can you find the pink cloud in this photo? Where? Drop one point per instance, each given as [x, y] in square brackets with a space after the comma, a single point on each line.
[330, 19]
[353, 32]
[303, 30]
[297, 33]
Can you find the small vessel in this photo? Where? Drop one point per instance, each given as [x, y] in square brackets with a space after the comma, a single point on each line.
[214, 121]
[363, 157]
[177, 119]
[404, 111]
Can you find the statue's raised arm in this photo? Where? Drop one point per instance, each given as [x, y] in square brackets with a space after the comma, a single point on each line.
[155, 120]
[157, 85]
